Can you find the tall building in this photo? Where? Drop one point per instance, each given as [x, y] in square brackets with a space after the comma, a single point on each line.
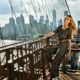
[47, 20]
[51, 26]
[31, 18]
[47, 24]
[41, 19]
[11, 20]
[20, 19]
[20, 25]
[54, 18]
[60, 22]
[6, 31]
[78, 24]
[1, 34]
[41, 26]
[12, 28]
[65, 13]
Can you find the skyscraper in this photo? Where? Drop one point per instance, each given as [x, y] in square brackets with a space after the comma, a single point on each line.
[12, 28]
[31, 27]
[47, 24]
[78, 24]
[65, 13]
[41, 19]
[47, 20]
[11, 20]
[20, 24]
[31, 18]
[54, 18]
[51, 26]
[60, 22]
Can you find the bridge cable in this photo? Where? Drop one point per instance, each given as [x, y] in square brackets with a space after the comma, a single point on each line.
[22, 14]
[12, 15]
[36, 15]
[41, 13]
[15, 15]
[28, 16]
[68, 7]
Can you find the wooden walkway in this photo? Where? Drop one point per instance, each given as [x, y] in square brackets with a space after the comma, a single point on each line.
[67, 76]
[70, 76]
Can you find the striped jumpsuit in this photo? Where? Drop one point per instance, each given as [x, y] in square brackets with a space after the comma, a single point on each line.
[60, 50]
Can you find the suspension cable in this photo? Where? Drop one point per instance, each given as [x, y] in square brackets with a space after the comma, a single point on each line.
[15, 15]
[67, 7]
[41, 13]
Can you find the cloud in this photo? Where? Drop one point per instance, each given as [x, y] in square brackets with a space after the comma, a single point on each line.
[5, 7]
[4, 19]
[74, 6]
[41, 7]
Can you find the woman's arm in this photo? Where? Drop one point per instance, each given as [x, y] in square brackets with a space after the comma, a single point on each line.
[48, 35]
[51, 33]
[69, 54]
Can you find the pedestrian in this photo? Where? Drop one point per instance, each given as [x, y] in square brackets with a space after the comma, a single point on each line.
[65, 34]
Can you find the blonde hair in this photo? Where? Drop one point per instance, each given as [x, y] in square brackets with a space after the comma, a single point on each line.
[72, 26]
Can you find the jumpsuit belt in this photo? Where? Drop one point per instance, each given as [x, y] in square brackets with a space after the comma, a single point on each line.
[62, 40]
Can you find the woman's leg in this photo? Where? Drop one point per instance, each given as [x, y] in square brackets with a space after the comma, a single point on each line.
[54, 72]
[49, 51]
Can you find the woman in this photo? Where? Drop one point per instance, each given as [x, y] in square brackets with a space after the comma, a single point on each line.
[65, 34]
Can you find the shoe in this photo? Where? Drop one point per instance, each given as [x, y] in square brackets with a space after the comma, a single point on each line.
[55, 78]
[58, 78]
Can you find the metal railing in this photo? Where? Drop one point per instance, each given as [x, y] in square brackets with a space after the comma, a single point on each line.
[26, 60]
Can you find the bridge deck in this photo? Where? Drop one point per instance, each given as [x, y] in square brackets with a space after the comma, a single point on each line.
[67, 76]
[28, 61]
[70, 76]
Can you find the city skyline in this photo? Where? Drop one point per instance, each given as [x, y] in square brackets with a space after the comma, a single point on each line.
[38, 8]
[17, 27]
[5, 11]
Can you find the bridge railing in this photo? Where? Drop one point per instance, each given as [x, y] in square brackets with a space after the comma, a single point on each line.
[22, 61]
[25, 60]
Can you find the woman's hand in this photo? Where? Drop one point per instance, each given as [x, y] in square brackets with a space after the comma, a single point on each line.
[69, 56]
[44, 37]
[47, 35]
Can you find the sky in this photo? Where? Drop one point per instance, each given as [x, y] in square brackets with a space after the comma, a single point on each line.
[5, 11]
[74, 6]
